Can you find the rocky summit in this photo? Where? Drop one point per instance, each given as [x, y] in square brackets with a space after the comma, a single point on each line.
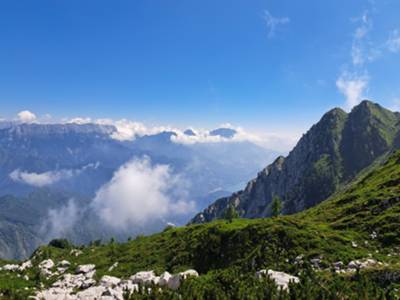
[332, 153]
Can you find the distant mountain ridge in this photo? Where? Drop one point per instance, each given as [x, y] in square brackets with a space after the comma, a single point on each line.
[330, 154]
[43, 166]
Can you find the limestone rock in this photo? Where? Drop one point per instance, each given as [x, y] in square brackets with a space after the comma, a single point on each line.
[281, 279]
[109, 281]
[85, 269]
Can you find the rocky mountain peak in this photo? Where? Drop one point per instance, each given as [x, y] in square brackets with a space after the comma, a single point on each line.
[224, 132]
[330, 154]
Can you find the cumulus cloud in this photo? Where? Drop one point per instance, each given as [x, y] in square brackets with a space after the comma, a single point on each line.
[60, 222]
[393, 42]
[47, 178]
[352, 86]
[140, 193]
[127, 130]
[273, 23]
[26, 116]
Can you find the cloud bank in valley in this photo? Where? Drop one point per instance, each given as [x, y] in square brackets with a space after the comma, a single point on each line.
[61, 221]
[140, 193]
[49, 177]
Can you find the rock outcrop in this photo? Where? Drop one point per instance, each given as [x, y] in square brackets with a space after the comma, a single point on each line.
[82, 285]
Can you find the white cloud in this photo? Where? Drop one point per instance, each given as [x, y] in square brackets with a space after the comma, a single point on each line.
[393, 43]
[47, 178]
[352, 87]
[26, 116]
[127, 130]
[354, 80]
[204, 136]
[363, 49]
[80, 121]
[273, 23]
[140, 193]
[60, 222]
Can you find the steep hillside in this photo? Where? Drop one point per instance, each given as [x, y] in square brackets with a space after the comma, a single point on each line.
[360, 223]
[330, 154]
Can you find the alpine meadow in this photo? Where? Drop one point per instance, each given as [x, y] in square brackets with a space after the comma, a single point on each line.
[216, 150]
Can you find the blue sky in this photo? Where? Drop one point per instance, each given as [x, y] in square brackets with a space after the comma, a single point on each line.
[269, 66]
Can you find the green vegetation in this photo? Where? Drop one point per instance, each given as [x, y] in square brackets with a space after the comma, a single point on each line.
[360, 222]
[60, 243]
[231, 213]
[276, 206]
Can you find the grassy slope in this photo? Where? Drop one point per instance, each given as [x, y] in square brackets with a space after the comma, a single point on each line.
[370, 204]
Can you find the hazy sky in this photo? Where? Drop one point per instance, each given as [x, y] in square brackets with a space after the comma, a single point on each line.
[269, 66]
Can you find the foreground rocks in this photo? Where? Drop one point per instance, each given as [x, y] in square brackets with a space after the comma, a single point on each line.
[82, 285]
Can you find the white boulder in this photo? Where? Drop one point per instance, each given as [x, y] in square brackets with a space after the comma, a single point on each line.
[93, 292]
[46, 264]
[281, 279]
[64, 264]
[109, 281]
[10, 267]
[25, 265]
[164, 279]
[145, 277]
[176, 280]
[83, 269]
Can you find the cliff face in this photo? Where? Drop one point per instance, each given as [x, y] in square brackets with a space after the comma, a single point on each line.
[331, 153]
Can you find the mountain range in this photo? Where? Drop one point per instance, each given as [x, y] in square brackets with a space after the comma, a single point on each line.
[52, 173]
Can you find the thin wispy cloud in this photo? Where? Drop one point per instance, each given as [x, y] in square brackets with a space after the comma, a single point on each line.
[363, 49]
[274, 22]
[393, 42]
[48, 178]
[353, 81]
